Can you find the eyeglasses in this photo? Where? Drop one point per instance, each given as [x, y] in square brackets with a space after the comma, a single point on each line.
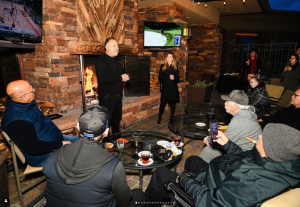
[32, 91]
[295, 95]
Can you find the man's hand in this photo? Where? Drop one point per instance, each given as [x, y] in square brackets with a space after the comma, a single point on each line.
[66, 142]
[125, 77]
[222, 138]
[259, 120]
[205, 140]
[105, 133]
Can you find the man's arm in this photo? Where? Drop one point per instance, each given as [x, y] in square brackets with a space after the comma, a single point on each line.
[23, 133]
[236, 190]
[120, 189]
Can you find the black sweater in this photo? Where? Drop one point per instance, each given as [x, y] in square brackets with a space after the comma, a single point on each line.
[109, 71]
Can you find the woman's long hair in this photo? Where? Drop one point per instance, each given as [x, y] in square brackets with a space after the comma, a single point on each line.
[166, 65]
[297, 63]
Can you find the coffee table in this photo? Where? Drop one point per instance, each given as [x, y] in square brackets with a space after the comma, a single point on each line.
[129, 155]
[185, 124]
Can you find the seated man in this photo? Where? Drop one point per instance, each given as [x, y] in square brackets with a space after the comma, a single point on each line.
[85, 172]
[238, 178]
[289, 116]
[34, 133]
[244, 123]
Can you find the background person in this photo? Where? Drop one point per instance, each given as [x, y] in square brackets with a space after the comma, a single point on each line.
[238, 178]
[35, 134]
[251, 65]
[289, 115]
[85, 172]
[247, 84]
[111, 75]
[169, 77]
[258, 96]
[291, 75]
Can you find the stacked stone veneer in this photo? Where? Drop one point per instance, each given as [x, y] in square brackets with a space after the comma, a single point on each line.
[205, 46]
[53, 72]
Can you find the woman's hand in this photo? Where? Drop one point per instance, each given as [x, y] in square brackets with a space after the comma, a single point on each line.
[287, 68]
[172, 77]
[222, 138]
[247, 62]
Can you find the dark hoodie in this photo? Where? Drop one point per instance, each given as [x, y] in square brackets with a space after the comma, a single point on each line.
[87, 174]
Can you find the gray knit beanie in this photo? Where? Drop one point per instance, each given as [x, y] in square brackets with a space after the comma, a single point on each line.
[281, 142]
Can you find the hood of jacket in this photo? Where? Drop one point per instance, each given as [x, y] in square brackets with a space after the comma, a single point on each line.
[247, 113]
[80, 161]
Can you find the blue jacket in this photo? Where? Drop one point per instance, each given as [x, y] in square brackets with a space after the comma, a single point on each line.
[46, 130]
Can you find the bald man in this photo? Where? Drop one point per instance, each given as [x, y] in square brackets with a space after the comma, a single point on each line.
[110, 76]
[36, 135]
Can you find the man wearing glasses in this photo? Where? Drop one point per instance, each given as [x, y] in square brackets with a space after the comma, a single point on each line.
[289, 116]
[36, 135]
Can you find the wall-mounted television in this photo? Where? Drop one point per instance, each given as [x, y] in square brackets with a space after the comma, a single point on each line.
[21, 21]
[162, 34]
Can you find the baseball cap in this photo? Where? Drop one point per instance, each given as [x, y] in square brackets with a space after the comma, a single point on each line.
[93, 121]
[236, 96]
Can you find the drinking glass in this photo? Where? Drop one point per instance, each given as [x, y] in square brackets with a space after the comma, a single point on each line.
[120, 145]
[145, 157]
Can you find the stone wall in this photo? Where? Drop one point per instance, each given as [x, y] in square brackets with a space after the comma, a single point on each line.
[205, 46]
[53, 72]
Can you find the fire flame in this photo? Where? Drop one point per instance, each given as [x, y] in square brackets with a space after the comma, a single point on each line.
[89, 79]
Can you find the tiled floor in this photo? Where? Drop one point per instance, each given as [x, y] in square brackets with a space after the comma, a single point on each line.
[193, 148]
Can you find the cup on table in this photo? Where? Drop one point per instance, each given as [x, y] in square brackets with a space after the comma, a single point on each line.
[177, 141]
[145, 157]
[120, 144]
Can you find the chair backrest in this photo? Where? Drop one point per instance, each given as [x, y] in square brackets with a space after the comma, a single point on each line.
[274, 92]
[17, 150]
[275, 81]
[285, 99]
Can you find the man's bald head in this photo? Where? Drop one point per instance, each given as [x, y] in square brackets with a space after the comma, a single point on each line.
[18, 90]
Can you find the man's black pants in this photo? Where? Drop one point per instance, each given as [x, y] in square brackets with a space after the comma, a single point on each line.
[114, 105]
[156, 191]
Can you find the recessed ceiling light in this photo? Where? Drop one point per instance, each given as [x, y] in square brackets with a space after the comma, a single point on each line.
[187, 17]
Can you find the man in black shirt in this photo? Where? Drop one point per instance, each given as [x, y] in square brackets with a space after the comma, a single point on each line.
[289, 116]
[111, 75]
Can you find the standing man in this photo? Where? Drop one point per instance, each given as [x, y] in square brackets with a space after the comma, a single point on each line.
[111, 75]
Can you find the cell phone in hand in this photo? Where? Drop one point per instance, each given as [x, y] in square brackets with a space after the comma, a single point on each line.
[214, 130]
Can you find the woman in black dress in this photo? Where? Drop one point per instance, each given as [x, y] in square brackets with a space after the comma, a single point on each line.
[169, 77]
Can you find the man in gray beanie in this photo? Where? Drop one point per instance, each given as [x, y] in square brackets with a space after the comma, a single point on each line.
[238, 178]
[84, 173]
[244, 123]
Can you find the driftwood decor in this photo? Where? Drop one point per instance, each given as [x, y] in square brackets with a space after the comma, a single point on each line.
[100, 19]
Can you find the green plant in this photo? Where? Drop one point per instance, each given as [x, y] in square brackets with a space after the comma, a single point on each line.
[202, 83]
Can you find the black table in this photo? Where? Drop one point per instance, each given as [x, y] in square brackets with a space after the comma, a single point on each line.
[228, 83]
[185, 124]
[129, 156]
[204, 108]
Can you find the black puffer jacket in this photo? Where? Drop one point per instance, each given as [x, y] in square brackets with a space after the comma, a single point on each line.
[259, 98]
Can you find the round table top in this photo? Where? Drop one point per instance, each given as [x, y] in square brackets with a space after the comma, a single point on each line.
[188, 124]
[129, 155]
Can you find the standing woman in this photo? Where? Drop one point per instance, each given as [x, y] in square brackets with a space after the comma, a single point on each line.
[258, 96]
[251, 65]
[169, 77]
[291, 75]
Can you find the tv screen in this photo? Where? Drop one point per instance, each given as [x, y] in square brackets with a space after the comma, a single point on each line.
[162, 34]
[21, 20]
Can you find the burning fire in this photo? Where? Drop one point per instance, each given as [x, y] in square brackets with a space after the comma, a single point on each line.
[90, 81]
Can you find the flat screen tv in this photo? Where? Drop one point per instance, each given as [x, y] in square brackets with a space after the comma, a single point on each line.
[21, 20]
[162, 34]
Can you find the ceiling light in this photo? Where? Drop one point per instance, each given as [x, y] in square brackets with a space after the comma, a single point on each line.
[198, 3]
[205, 4]
[224, 3]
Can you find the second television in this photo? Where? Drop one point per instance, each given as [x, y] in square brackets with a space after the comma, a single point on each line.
[162, 34]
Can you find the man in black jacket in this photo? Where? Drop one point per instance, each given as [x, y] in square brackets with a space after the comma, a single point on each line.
[237, 178]
[84, 173]
[289, 116]
[110, 76]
